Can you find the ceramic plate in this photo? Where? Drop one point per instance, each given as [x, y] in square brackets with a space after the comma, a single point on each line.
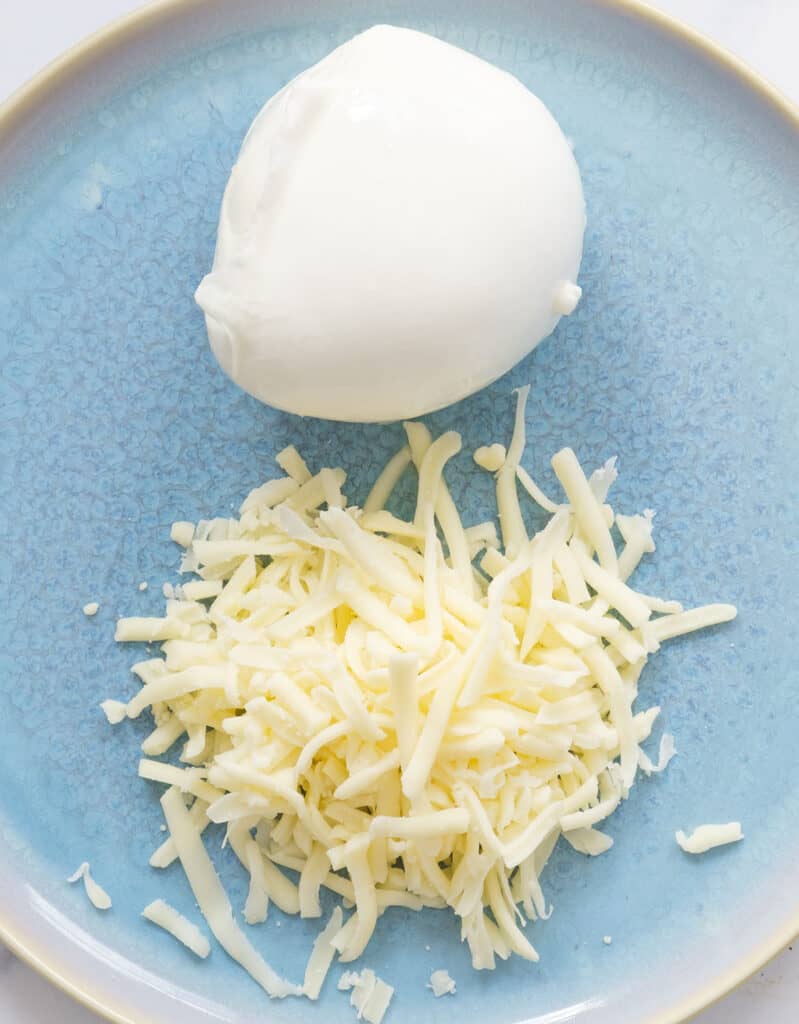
[681, 359]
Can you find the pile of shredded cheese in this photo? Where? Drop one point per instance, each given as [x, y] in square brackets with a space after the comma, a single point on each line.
[408, 713]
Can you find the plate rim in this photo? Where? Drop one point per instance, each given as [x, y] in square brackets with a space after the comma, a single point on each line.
[14, 111]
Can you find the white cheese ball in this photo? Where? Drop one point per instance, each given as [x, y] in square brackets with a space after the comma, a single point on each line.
[404, 223]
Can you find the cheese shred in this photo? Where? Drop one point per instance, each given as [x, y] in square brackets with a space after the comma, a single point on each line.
[166, 917]
[98, 897]
[707, 837]
[212, 899]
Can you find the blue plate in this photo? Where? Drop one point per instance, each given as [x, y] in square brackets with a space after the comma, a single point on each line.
[116, 421]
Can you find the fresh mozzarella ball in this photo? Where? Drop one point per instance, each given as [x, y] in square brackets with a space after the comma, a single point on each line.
[404, 223]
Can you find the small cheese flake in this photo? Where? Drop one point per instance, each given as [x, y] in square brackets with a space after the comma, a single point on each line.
[707, 837]
[607, 939]
[293, 464]
[115, 711]
[143, 585]
[150, 630]
[98, 897]
[182, 533]
[369, 995]
[92, 608]
[490, 457]
[201, 590]
[666, 751]
[589, 841]
[441, 984]
[396, 724]
[166, 917]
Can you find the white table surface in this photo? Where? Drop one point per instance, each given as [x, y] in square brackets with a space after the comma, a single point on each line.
[763, 32]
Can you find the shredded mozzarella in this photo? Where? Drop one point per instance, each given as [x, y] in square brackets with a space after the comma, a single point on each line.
[369, 995]
[360, 704]
[490, 457]
[706, 837]
[441, 984]
[213, 901]
[115, 711]
[166, 917]
[98, 897]
[322, 955]
[666, 751]
[293, 464]
[182, 534]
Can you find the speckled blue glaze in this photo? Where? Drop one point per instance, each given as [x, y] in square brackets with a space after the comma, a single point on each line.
[116, 420]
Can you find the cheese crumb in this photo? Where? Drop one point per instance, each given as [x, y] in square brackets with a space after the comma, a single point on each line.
[441, 984]
[369, 995]
[490, 457]
[97, 895]
[293, 464]
[182, 533]
[143, 585]
[706, 837]
[607, 939]
[91, 608]
[115, 711]
[666, 752]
